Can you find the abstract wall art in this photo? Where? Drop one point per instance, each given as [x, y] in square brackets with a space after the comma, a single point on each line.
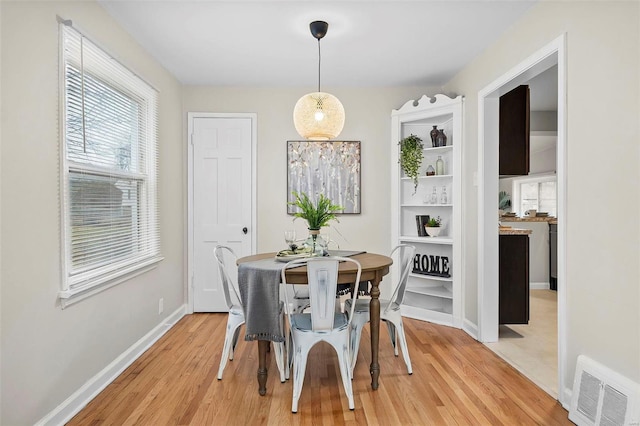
[331, 168]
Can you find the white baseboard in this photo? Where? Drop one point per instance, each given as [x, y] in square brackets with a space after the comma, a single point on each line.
[470, 328]
[539, 286]
[566, 402]
[80, 398]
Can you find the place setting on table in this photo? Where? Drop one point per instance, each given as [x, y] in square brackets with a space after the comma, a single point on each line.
[259, 279]
[306, 249]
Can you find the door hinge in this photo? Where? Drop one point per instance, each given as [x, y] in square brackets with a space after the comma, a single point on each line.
[193, 281]
[191, 138]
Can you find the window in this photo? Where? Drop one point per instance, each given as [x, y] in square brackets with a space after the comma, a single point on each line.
[109, 169]
[535, 192]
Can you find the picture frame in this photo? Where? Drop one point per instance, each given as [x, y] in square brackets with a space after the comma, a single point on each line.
[331, 168]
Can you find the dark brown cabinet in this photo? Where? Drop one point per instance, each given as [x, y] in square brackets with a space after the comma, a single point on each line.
[514, 132]
[514, 279]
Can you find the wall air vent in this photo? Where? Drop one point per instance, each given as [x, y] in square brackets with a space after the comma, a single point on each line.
[603, 397]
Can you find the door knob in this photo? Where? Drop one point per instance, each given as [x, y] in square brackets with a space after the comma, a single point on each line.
[245, 230]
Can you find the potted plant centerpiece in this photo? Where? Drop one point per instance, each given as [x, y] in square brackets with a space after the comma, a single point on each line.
[411, 157]
[317, 215]
[433, 226]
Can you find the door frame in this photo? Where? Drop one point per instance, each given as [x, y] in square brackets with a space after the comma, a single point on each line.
[191, 116]
[488, 101]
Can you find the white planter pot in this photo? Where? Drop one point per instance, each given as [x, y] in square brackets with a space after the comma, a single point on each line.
[432, 232]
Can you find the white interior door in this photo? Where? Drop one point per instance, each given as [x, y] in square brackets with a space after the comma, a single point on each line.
[221, 200]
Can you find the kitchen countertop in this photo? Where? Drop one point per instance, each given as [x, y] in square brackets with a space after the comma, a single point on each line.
[528, 219]
[507, 230]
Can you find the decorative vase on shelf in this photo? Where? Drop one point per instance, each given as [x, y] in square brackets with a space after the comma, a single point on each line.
[439, 166]
[434, 136]
[441, 139]
[443, 196]
[434, 196]
[432, 231]
[431, 171]
[316, 243]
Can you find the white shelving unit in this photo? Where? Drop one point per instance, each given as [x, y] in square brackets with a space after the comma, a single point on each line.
[430, 297]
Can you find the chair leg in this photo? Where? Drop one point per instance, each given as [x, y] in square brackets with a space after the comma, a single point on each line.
[299, 368]
[396, 323]
[392, 334]
[227, 350]
[403, 345]
[236, 334]
[345, 371]
[357, 324]
[288, 355]
[279, 349]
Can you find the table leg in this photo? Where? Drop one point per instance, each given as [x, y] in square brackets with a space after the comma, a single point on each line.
[374, 324]
[263, 346]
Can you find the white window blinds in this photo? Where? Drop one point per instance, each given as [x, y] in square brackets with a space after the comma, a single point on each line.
[109, 157]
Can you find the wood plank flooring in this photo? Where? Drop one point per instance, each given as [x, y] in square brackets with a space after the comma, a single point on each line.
[456, 381]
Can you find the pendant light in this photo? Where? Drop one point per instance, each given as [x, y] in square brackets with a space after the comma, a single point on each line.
[318, 115]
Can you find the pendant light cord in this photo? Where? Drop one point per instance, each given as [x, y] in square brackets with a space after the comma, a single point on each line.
[319, 58]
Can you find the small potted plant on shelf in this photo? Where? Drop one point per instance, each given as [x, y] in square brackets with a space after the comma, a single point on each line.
[317, 215]
[433, 226]
[411, 157]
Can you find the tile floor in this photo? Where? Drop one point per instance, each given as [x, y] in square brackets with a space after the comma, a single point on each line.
[533, 348]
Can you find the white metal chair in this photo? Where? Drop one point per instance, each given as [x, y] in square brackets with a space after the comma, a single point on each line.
[389, 310]
[323, 323]
[300, 298]
[301, 292]
[236, 319]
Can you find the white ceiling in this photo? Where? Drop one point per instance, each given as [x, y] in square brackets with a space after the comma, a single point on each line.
[268, 43]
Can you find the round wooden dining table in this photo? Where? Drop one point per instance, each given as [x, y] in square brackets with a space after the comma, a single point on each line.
[374, 267]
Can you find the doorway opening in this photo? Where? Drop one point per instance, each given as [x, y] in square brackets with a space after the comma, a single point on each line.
[546, 65]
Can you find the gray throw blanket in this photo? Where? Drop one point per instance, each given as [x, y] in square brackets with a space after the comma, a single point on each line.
[259, 284]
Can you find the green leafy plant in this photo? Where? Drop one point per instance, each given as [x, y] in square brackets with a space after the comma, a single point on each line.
[434, 222]
[504, 200]
[411, 157]
[317, 215]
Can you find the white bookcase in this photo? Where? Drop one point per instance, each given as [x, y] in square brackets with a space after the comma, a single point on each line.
[430, 297]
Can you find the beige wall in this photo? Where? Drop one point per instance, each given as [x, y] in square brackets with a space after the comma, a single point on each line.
[603, 47]
[367, 120]
[49, 353]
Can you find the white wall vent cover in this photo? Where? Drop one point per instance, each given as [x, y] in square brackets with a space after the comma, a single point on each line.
[603, 397]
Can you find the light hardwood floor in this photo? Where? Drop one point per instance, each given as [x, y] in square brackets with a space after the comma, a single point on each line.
[456, 381]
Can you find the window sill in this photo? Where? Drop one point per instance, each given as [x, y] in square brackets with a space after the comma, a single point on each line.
[74, 295]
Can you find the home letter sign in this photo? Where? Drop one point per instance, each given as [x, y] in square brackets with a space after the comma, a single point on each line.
[431, 265]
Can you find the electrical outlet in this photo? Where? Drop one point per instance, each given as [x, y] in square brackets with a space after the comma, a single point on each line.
[160, 306]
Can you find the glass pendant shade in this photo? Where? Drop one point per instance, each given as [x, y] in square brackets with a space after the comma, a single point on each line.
[318, 116]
